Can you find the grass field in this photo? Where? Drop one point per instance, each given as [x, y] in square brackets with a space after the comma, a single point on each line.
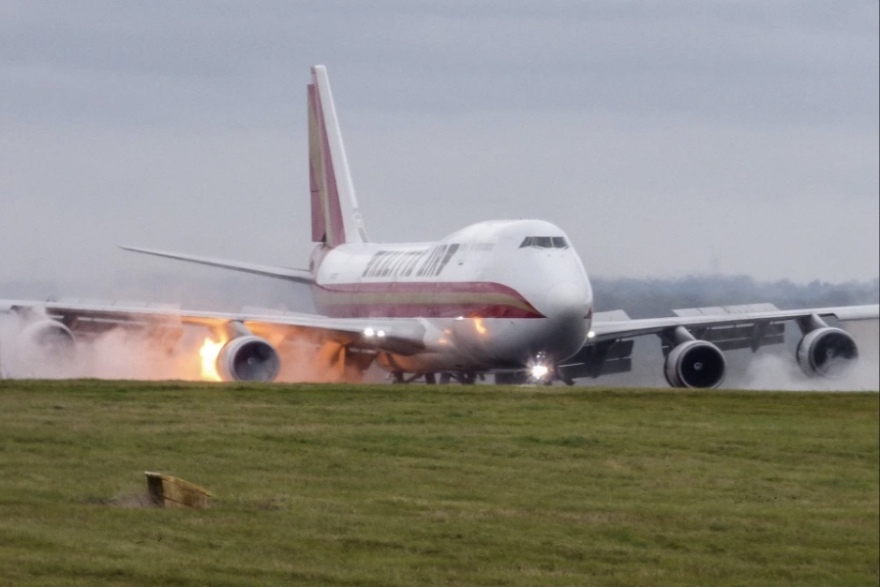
[416, 485]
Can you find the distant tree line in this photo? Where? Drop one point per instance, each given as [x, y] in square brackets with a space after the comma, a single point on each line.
[644, 298]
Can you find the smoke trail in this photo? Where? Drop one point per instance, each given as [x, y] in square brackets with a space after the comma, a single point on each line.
[778, 370]
[115, 354]
[125, 354]
[774, 371]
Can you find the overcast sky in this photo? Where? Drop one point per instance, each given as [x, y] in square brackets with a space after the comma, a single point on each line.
[665, 138]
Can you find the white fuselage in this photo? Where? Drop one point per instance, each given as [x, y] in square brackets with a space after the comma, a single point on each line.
[493, 295]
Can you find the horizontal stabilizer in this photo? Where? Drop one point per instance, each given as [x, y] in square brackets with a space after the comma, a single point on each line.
[297, 275]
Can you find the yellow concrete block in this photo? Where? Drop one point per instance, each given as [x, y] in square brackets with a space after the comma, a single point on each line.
[170, 492]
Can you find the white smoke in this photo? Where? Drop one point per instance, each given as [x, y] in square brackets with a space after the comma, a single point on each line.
[125, 354]
[776, 369]
[122, 354]
[115, 354]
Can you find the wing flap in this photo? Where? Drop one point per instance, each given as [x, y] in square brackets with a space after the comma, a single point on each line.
[725, 310]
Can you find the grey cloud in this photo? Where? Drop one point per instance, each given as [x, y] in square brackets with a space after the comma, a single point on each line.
[763, 62]
[657, 134]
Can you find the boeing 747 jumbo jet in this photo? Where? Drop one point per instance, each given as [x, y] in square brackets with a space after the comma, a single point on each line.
[503, 297]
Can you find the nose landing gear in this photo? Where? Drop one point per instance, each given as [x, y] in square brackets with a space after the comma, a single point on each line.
[538, 371]
[541, 370]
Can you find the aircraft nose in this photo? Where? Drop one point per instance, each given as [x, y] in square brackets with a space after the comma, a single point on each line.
[566, 300]
[566, 306]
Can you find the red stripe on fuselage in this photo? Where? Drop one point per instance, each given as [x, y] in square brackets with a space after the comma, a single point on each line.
[422, 299]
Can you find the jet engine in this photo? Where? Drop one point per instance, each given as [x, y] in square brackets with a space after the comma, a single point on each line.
[50, 338]
[826, 352]
[248, 358]
[695, 363]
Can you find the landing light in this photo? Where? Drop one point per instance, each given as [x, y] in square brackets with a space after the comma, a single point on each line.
[370, 333]
[539, 371]
[591, 334]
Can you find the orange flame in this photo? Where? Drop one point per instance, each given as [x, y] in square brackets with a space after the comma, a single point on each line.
[209, 352]
[479, 326]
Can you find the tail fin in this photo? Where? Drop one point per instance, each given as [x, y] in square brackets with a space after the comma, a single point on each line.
[335, 215]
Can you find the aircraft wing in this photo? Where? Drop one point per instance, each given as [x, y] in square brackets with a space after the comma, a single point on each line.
[288, 274]
[404, 336]
[698, 335]
[616, 325]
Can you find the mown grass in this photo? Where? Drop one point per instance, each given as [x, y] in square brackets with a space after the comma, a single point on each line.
[415, 485]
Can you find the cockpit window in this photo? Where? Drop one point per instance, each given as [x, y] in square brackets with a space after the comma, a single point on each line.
[545, 242]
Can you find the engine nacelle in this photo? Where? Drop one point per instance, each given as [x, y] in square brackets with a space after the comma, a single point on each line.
[248, 358]
[51, 339]
[826, 352]
[695, 363]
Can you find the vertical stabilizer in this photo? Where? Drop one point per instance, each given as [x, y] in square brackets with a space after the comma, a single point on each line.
[335, 215]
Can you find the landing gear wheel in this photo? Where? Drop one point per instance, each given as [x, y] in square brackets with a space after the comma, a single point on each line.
[467, 378]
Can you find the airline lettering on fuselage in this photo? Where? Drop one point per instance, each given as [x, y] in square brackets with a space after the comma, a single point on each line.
[430, 262]
[393, 263]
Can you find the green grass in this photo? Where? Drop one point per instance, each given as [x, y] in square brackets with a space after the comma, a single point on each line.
[416, 485]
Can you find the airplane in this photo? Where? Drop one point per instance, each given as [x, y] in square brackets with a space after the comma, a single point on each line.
[507, 298]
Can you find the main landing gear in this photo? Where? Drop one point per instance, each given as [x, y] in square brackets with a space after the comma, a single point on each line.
[463, 377]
